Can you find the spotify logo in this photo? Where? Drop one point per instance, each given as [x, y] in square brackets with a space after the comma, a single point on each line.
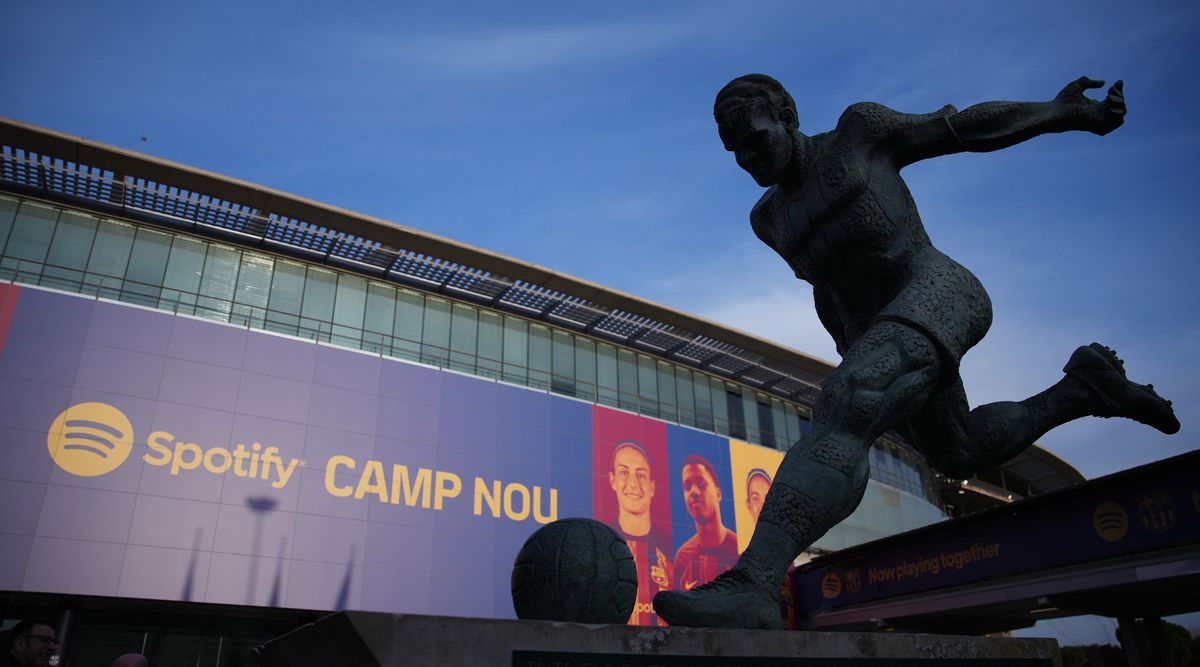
[90, 439]
[1110, 521]
[831, 585]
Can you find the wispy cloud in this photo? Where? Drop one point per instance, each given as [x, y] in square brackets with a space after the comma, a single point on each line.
[514, 51]
[783, 313]
[748, 288]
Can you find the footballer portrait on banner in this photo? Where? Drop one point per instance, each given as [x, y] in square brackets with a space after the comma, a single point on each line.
[702, 507]
[753, 470]
[632, 487]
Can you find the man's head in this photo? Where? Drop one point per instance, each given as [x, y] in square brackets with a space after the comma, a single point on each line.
[700, 489]
[131, 660]
[758, 124]
[758, 482]
[630, 478]
[34, 642]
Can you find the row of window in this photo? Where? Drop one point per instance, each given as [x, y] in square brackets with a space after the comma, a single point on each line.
[80, 252]
[898, 467]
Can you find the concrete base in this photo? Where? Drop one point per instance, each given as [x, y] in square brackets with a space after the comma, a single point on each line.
[365, 639]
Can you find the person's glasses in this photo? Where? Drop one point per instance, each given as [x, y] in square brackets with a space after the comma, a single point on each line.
[45, 638]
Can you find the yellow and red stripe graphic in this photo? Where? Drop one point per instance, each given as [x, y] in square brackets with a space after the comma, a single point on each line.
[8, 305]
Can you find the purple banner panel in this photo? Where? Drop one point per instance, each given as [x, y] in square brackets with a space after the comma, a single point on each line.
[166, 457]
[1146, 509]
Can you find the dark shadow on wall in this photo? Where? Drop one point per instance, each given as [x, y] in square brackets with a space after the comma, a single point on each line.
[259, 505]
[277, 585]
[343, 597]
[189, 581]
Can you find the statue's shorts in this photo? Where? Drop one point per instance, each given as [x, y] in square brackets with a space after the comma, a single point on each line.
[941, 298]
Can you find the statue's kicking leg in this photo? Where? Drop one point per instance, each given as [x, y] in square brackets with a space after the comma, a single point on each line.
[888, 376]
[959, 443]
[885, 377]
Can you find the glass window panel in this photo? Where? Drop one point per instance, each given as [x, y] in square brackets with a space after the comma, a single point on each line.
[252, 290]
[737, 413]
[381, 308]
[563, 360]
[109, 258]
[539, 356]
[435, 334]
[720, 405]
[685, 395]
[287, 293]
[218, 283]
[148, 259]
[72, 243]
[704, 406]
[667, 407]
[185, 264]
[627, 380]
[911, 482]
[182, 280]
[110, 251]
[406, 330]
[464, 333]
[491, 344]
[316, 309]
[792, 421]
[349, 308]
[377, 321]
[69, 250]
[585, 368]
[147, 267]
[766, 425]
[350, 303]
[320, 288]
[31, 232]
[779, 424]
[647, 387]
[254, 279]
[750, 415]
[8, 211]
[516, 350]
[606, 375]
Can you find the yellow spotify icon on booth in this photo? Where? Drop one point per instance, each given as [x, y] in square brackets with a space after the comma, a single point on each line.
[90, 439]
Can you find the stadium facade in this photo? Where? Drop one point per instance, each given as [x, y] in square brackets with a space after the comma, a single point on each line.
[225, 409]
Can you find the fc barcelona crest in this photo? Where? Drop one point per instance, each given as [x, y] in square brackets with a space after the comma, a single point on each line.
[1156, 511]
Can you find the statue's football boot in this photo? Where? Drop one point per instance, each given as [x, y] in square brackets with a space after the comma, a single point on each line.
[732, 600]
[1103, 372]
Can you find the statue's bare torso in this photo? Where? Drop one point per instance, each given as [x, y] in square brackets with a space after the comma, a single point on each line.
[851, 229]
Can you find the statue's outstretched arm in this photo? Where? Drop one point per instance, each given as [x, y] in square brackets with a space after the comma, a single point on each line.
[994, 125]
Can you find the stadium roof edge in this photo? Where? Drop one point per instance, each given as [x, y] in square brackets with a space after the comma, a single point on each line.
[125, 163]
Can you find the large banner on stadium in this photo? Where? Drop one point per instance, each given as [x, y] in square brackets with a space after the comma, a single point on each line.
[156, 456]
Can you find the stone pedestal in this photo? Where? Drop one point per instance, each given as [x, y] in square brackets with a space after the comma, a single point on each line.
[366, 639]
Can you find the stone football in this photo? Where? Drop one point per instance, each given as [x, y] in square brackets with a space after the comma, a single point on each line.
[576, 570]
